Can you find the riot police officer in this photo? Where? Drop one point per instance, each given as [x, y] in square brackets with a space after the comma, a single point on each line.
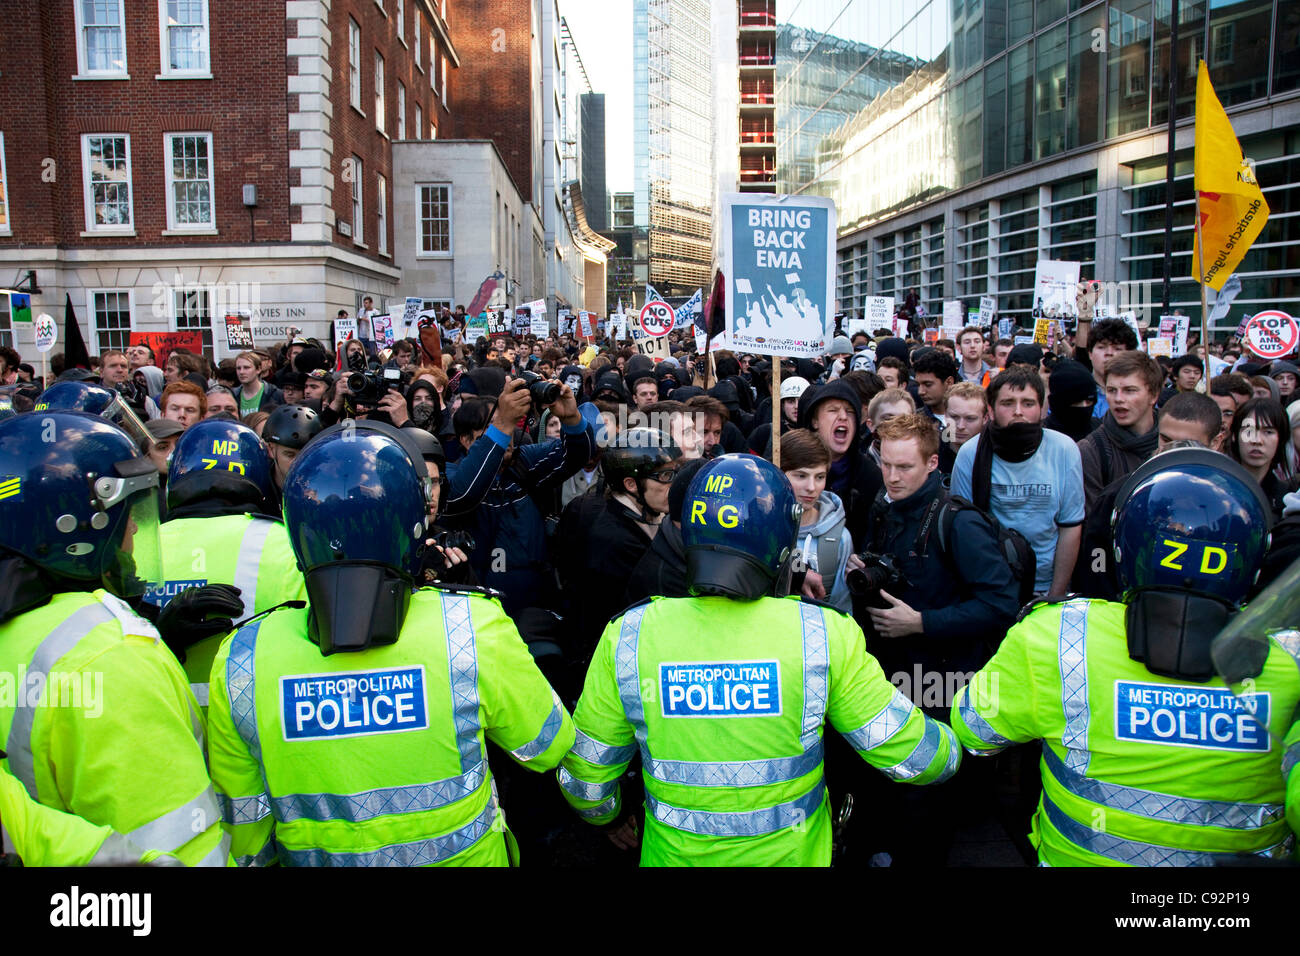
[726, 694]
[353, 733]
[224, 557]
[1149, 757]
[286, 433]
[105, 727]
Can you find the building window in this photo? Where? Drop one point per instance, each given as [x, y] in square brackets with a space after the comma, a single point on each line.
[5, 228]
[444, 79]
[356, 200]
[379, 92]
[401, 17]
[1223, 36]
[433, 130]
[354, 62]
[189, 181]
[183, 29]
[435, 220]
[419, 122]
[194, 314]
[110, 311]
[433, 64]
[101, 40]
[417, 40]
[382, 208]
[106, 162]
[6, 323]
[401, 110]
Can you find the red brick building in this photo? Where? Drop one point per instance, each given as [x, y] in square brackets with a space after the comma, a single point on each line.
[129, 145]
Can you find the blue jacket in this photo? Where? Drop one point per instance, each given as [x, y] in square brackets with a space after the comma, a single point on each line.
[510, 543]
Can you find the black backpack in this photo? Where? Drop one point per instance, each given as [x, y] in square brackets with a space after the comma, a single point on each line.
[1015, 549]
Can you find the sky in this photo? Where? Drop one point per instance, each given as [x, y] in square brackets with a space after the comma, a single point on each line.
[602, 30]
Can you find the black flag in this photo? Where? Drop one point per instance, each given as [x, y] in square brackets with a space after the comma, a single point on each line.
[74, 346]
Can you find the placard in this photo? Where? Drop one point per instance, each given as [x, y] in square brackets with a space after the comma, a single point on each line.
[476, 327]
[1006, 327]
[539, 325]
[878, 314]
[952, 316]
[1160, 346]
[1175, 328]
[47, 332]
[778, 253]
[411, 317]
[988, 305]
[1272, 334]
[498, 323]
[587, 325]
[164, 343]
[382, 327]
[654, 346]
[239, 334]
[1056, 289]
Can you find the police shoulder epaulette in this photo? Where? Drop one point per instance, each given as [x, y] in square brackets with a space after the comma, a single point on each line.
[635, 604]
[283, 606]
[1033, 606]
[804, 599]
[451, 588]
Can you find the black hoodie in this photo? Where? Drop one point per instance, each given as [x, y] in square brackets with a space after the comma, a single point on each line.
[856, 477]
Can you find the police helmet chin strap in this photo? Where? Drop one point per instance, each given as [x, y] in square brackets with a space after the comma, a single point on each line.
[1170, 631]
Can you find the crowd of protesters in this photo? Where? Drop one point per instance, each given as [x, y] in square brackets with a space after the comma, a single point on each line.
[920, 468]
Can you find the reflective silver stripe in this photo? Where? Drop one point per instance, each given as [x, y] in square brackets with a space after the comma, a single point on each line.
[241, 688]
[116, 850]
[977, 725]
[1162, 806]
[954, 755]
[1290, 759]
[1132, 852]
[922, 755]
[263, 857]
[201, 693]
[739, 824]
[250, 558]
[816, 677]
[1290, 641]
[176, 827]
[463, 664]
[738, 773]
[604, 809]
[418, 853]
[546, 736]
[61, 640]
[881, 728]
[241, 810]
[583, 790]
[219, 855]
[368, 804]
[1072, 651]
[605, 755]
[627, 673]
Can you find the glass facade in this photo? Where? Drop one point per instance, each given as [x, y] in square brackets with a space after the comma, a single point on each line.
[895, 108]
[672, 136]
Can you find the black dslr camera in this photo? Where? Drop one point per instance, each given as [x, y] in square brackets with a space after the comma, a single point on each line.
[542, 392]
[881, 573]
[454, 539]
[369, 387]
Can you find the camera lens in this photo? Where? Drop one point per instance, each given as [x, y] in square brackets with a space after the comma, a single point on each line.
[356, 382]
[544, 393]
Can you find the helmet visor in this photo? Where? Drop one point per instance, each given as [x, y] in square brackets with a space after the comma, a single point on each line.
[136, 562]
[124, 417]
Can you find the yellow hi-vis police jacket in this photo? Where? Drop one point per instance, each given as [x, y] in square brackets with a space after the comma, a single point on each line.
[43, 836]
[1138, 769]
[252, 552]
[100, 723]
[726, 701]
[377, 757]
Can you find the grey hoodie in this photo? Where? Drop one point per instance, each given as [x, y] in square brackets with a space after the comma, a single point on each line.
[830, 518]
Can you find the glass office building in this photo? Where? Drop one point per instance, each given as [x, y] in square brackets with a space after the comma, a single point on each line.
[672, 136]
[962, 140]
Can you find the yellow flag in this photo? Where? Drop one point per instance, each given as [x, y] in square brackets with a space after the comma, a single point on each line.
[1228, 199]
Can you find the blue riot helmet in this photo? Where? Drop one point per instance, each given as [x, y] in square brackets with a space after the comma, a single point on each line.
[355, 507]
[98, 400]
[739, 522]
[79, 501]
[219, 459]
[1191, 527]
